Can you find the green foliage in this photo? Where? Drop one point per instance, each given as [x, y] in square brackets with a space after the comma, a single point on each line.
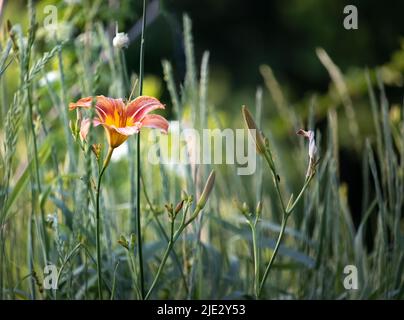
[202, 246]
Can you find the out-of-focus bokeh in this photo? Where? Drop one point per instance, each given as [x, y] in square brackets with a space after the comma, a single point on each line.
[243, 35]
[291, 62]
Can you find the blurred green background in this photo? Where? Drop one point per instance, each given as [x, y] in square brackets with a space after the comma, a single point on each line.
[241, 36]
[313, 75]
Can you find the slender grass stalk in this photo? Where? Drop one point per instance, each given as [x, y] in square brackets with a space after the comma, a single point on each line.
[98, 231]
[163, 261]
[258, 116]
[36, 166]
[35, 176]
[63, 111]
[275, 252]
[170, 245]
[30, 248]
[275, 176]
[173, 239]
[112, 296]
[138, 224]
[184, 223]
[256, 259]
[286, 212]
[165, 236]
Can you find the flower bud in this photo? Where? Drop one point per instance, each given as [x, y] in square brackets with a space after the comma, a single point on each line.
[258, 210]
[258, 137]
[123, 242]
[184, 195]
[96, 149]
[178, 207]
[243, 208]
[238, 205]
[170, 211]
[121, 40]
[207, 190]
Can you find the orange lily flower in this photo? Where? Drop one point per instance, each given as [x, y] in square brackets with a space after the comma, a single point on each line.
[121, 120]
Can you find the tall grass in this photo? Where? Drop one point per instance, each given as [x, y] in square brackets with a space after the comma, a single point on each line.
[189, 250]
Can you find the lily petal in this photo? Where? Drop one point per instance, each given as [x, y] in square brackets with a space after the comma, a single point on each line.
[128, 131]
[105, 106]
[141, 106]
[120, 120]
[115, 138]
[82, 103]
[155, 121]
[85, 127]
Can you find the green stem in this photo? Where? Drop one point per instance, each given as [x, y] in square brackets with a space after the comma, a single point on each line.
[162, 264]
[306, 184]
[173, 239]
[256, 260]
[139, 232]
[133, 269]
[286, 211]
[165, 236]
[98, 244]
[31, 252]
[276, 179]
[163, 261]
[37, 175]
[278, 242]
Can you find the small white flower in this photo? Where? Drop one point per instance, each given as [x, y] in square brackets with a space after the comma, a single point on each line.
[121, 40]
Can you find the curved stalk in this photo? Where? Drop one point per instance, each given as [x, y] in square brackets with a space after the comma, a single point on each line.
[256, 260]
[163, 261]
[173, 239]
[286, 211]
[306, 184]
[97, 217]
[278, 242]
[138, 224]
[163, 232]
[276, 179]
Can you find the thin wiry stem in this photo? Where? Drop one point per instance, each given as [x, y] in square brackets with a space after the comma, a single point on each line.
[163, 261]
[256, 259]
[269, 160]
[286, 211]
[98, 244]
[138, 224]
[278, 242]
[36, 178]
[165, 236]
[173, 238]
